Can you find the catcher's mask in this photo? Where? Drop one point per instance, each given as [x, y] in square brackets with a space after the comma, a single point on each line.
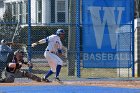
[18, 51]
[19, 54]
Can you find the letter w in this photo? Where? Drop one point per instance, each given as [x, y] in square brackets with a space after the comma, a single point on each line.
[109, 19]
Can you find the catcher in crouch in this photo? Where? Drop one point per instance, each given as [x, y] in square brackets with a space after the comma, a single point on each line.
[13, 69]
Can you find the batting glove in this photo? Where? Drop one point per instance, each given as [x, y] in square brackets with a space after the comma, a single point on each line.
[34, 44]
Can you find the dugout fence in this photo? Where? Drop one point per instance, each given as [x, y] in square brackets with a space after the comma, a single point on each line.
[95, 45]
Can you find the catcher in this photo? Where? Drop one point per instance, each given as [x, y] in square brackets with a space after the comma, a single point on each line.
[13, 69]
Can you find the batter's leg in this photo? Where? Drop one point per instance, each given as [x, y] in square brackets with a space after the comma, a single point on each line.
[50, 72]
[58, 69]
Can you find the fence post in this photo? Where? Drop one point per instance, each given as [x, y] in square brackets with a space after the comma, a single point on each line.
[78, 37]
[29, 33]
[72, 38]
[133, 60]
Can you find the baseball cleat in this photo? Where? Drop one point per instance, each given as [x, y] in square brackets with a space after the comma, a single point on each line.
[46, 80]
[58, 80]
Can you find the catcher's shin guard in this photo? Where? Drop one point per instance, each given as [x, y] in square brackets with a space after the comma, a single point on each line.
[32, 76]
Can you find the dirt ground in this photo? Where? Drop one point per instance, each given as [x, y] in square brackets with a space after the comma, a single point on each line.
[124, 84]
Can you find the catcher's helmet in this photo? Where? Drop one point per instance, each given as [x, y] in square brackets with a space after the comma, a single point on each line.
[18, 51]
[3, 41]
[60, 31]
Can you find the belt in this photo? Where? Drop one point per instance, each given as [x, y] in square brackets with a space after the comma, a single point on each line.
[50, 51]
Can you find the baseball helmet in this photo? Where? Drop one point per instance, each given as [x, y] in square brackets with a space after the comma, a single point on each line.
[18, 51]
[3, 41]
[60, 31]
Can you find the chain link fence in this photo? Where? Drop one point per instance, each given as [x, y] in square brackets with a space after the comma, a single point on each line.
[46, 17]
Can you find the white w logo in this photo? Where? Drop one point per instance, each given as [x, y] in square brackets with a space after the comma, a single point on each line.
[109, 18]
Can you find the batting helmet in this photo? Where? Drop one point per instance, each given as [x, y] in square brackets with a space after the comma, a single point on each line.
[60, 31]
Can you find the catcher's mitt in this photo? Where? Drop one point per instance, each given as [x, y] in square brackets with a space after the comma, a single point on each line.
[12, 65]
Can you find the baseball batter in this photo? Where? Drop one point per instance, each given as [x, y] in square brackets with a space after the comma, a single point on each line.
[52, 53]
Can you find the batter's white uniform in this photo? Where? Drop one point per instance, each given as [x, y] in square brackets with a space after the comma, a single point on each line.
[54, 44]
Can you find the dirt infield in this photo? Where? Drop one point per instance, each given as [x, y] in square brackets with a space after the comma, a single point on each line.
[124, 84]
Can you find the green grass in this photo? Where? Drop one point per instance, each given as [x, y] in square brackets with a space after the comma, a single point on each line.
[85, 73]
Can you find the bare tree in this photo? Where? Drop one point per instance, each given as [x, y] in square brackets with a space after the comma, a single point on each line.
[7, 25]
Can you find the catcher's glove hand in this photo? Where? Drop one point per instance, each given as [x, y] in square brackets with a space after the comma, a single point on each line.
[33, 44]
[12, 65]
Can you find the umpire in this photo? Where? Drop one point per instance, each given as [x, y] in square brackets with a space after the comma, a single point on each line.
[6, 55]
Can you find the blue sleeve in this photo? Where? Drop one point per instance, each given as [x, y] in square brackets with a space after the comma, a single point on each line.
[47, 39]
